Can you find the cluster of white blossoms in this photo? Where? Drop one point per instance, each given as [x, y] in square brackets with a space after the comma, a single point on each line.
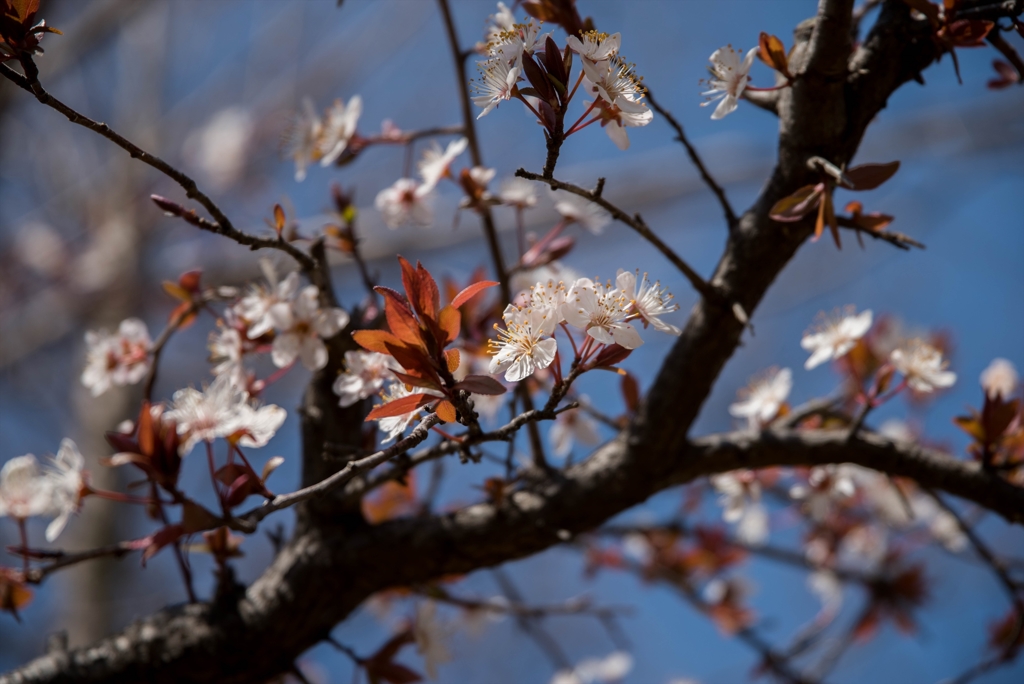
[740, 499]
[222, 410]
[312, 138]
[729, 77]
[409, 200]
[118, 359]
[605, 312]
[28, 490]
[299, 322]
[922, 366]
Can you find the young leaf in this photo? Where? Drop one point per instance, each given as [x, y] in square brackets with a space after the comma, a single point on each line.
[400, 406]
[870, 176]
[471, 291]
[401, 321]
[481, 384]
[377, 340]
[794, 207]
[445, 410]
[279, 219]
[449, 322]
[429, 382]
[452, 359]
[773, 53]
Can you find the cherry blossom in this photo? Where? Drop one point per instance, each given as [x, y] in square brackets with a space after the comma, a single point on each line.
[302, 328]
[571, 427]
[729, 78]
[24, 492]
[302, 141]
[435, 162]
[405, 201]
[999, 379]
[825, 486]
[524, 346]
[618, 92]
[263, 307]
[227, 348]
[430, 637]
[339, 126]
[835, 336]
[612, 668]
[501, 21]
[512, 43]
[66, 483]
[649, 301]
[549, 298]
[741, 503]
[497, 79]
[518, 192]
[763, 398]
[602, 311]
[221, 410]
[364, 376]
[595, 46]
[922, 366]
[116, 360]
[575, 209]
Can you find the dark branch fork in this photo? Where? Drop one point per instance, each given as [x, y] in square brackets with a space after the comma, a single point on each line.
[286, 610]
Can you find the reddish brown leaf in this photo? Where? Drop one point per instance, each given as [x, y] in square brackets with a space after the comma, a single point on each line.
[794, 207]
[1008, 76]
[377, 340]
[445, 410]
[481, 384]
[400, 406]
[160, 539]
[870, 176]
[414, 361]
[189, 281]
[195, 518]
[611, 355]
[279, 219]
[410, 280]
[471, 291]
[429, 297]
[631, 391]
[449, 323]
[392, 500]
[177, 291]
[417, 381]
[773, 53]
[968, 32]
[182, 316]
[401, 321]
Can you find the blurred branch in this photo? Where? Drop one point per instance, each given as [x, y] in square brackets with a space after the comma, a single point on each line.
[528, 624]
[223, 226]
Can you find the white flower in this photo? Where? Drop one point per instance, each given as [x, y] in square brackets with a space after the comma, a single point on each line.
[518, 192]
[595, 47]
[570, 427]
[835, 336]
[430, 637]
[555, 271]
[120, 359]
[302, 141]
[264, 307]
[221, 410]
[339, 126]
[548, 298]
[618, 92]
[728, 79]
[497, 79]
[611, 668]
[741, 503]
[395, 426]
[649, 301]
[302, 328]
[403, 202]
[220, 148]
[435, 162]
[999, 379]
[575, 209]
[602, 312]
[24, 492]
[763, 398]
[512, 43]
[364, 376]
[65, 483]
[922, 366]
[226, 351]
[524, 346]
[501, 21]
[825, 486]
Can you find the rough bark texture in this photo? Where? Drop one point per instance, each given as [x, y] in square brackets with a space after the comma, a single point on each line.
[336, 560]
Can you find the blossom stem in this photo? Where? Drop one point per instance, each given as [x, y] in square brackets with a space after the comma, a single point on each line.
[238, 450]
[582, 117]
[120, 496]
[535, 251]
[577, 129]
[755, 89]
[213, 478]
[531, 108]
[277, 375]
[571, 340]
[520, 233]
[446, 435]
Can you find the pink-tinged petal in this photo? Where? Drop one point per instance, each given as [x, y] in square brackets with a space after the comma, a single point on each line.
[285, 349]
[725, 107]
[625, 335]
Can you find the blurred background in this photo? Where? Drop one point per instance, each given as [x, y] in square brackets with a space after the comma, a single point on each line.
[211, 87]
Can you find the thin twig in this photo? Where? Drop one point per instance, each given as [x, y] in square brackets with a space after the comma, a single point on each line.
[730, 215]
[575, 606]
[63, 560]
[636, 223]
[898, 240]
[529, 625]
[221, 224]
